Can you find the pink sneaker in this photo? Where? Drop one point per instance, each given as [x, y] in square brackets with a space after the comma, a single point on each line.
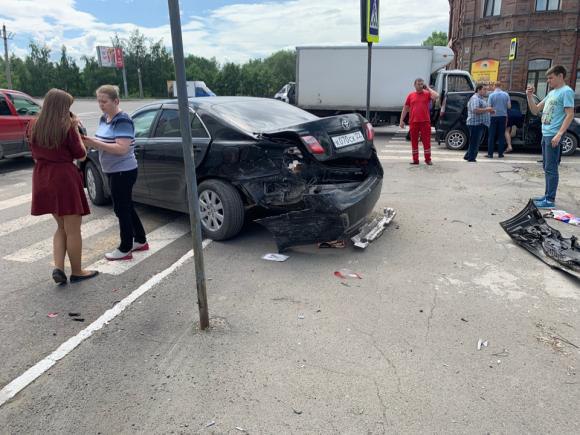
[118, 255]
[140, 246]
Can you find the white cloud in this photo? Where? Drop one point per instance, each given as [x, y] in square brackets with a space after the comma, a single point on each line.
[237, 32]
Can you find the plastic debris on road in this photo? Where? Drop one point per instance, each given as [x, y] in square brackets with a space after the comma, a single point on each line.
[481, 343]
[346, 274]
[563, 216]
[52, 315]
[374, 229]
[275, 257]
[210, 424]
[336, 244]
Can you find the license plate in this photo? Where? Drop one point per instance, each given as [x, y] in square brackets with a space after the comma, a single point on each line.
[348, 139]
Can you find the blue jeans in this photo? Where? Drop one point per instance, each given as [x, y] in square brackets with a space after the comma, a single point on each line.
[475, 134]
[496, 131]
[551, 160]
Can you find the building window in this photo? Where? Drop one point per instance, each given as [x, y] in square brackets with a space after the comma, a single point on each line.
[492, 8]
[547, 5]
[537, 69]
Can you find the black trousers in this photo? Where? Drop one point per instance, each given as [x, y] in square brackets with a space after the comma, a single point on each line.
[131, 228]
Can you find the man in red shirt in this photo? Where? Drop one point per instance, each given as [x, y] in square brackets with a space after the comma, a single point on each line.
[418, 105]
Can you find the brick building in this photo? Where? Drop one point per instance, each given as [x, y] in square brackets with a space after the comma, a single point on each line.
[547, 32]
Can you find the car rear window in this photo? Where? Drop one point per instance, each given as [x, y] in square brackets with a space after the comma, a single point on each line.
[258, 116]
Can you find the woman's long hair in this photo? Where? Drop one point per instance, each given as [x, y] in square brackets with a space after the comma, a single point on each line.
[52, 126]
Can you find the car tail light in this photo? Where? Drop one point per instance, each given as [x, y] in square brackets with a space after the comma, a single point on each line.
[313, 145]
[370, 131]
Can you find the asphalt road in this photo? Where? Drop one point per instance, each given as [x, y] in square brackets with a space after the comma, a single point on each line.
[292, 348]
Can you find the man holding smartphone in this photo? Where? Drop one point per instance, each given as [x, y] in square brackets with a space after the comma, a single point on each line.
[557, 115]
[418, 105]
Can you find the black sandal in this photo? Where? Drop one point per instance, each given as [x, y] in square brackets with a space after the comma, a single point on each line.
[77, 278]
[59, 276]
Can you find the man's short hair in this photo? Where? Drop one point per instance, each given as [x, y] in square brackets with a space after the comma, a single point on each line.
[497, 84]
[418, 80]
[557, 70]
[479, 88]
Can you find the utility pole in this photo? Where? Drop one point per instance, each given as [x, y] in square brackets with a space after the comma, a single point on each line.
[6, 37]
[140, 83]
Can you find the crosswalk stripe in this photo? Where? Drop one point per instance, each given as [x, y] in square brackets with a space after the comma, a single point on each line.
[12, 187]
[483, 160]
[157, 240]
[16, 201]
[21, 223]
[458, 154]
[43, 248]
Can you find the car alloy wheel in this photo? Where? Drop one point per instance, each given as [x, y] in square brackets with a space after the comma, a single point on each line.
[211, 210]
[569, 144]
[91, 184]
[456, 140]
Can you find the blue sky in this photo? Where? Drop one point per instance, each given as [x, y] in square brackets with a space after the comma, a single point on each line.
[229, 30]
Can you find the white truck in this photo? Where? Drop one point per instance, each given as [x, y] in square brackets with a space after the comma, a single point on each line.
[333, 80]
[195, 88]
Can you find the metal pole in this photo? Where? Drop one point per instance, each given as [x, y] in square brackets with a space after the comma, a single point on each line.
[511, 73]
[184, 119]
[140, 83]
[7, 59]
[369, 66]
[125, 81]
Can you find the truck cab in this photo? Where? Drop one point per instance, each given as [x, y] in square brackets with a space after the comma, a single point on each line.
[16, 111]
[287, 93]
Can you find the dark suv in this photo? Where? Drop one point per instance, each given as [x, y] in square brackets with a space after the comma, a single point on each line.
[451, 127]
[16, 111]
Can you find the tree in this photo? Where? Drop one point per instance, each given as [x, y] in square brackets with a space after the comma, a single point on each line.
[436, 38]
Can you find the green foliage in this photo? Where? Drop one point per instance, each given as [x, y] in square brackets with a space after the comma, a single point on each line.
[436, 38]
[36, 73]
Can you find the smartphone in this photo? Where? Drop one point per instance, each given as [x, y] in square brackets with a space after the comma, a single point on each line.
[81, 128]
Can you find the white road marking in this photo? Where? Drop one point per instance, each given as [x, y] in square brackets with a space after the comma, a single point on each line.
[43, 248]
[16, 201]
[33, 373]
[157, 240]
[479, 160]
[12, 187]
[22, 223]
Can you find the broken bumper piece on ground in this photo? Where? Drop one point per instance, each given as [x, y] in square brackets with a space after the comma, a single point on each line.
[331, 212]
[529, 229]
[374, 229]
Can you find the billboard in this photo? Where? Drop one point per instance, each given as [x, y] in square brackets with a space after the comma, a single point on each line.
[110, 57]
[485, 71]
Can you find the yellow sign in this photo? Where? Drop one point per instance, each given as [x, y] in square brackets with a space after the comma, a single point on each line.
[370, 21]
[513, 49]
[485, 71]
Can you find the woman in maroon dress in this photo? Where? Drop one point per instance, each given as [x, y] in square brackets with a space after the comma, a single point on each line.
[57, 187]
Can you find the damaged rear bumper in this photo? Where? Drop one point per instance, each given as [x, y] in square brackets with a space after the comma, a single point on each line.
[331, 212]
[529, 230]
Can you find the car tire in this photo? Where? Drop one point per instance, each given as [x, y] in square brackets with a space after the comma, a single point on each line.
[456, 139]
[221, 209]
[569, 144]
[95, 185]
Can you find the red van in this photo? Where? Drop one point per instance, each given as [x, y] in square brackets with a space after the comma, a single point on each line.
[16, 111]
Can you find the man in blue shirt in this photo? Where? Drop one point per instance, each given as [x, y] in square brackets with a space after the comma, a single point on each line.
[557, 115]
[500, 101]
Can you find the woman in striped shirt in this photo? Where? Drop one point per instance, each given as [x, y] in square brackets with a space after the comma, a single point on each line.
[115, 141]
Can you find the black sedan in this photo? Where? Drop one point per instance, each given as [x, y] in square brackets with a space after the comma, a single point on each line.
[317, 178]
[452, 129]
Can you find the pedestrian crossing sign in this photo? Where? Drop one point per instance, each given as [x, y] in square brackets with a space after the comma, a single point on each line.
[370, 20]
[513, 49]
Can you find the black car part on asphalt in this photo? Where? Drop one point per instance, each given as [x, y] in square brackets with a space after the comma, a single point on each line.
[529, 229]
